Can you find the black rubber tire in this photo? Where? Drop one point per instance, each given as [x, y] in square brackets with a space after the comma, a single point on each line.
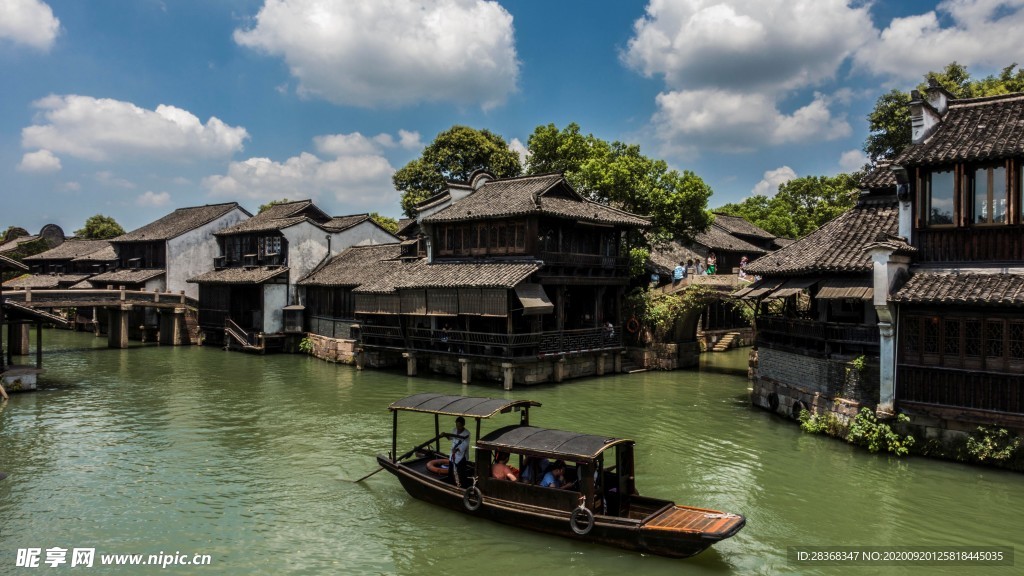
[797, 407]
[773, 402]
[472, 498]
[588, 521]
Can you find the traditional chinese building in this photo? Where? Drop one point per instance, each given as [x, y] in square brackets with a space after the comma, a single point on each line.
[66, 265]
[249, 297]
[521, 282]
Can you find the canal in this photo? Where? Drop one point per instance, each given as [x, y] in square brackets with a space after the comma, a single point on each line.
[250, 460]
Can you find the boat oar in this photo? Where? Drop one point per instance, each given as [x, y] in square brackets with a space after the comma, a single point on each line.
[368, 475]
[402, 457]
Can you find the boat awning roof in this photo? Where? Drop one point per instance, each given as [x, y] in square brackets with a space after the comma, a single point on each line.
[842, 288]
[470, 407]
[547, 443]
[534, 299]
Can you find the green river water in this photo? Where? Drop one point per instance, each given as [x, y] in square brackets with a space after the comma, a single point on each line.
[251, 459]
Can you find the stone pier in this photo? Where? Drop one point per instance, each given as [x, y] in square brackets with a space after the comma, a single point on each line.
[171, 324]
[117, 326]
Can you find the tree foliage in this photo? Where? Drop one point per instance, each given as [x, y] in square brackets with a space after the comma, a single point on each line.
[889, 121]
[454, 155]
[99, 227]
[385, 222]
[617, 174]
[801, 205]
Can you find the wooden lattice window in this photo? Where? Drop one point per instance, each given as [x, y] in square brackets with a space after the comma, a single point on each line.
[994, 339]
[951, 338]
[930, 336]
[972, 338]
[912, 335]
[1015, 342]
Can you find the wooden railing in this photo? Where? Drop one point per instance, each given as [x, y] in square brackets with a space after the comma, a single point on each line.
[85, 298]
[821, 337]
[235, 331]
[960, 388]
[491, 344]
[331, 327]
[584, 260]
[980, 244]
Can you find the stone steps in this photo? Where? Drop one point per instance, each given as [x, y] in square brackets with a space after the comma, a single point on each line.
[726, 342]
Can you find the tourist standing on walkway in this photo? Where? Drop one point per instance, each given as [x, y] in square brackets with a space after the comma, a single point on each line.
[678, 274]
[712, 262]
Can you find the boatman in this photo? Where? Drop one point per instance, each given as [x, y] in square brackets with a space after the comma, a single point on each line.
[460, 447]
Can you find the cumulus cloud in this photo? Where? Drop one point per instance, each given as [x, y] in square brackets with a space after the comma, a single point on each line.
[972, 32]
[351, 168]
[737, 122]
[727, 65]
[151, 198]
[110, 180]
[28, 22]
[769, 184]
[100, 129]
[39, 161]
[517, 146]
[391, 52]
[852, 160]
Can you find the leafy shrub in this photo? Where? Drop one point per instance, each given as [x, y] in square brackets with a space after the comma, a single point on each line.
[306, 345]
[991, 444]
[823, 423]
[867, 431]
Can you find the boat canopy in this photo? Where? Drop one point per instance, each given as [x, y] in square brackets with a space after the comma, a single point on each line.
[547, 443]
[469, 407]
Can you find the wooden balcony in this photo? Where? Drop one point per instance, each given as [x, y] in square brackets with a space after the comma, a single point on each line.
[971, 389]
[819, 338]
[464, 343]
[962, 245]
[585, 260]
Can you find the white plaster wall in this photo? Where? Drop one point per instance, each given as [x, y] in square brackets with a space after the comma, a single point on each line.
[275, 298]
[155, 284]
[364, 234]
[307, 245]
[192, 253]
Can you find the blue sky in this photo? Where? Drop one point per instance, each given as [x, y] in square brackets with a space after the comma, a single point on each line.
[133, 108]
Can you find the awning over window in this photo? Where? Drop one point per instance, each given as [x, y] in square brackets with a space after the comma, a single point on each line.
[760, 289]
[793, 286]
[846, 288]
[534, 299]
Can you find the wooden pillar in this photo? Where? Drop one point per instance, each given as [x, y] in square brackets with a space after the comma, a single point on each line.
[467, 370]
[39, 344]
[117, 327]
[618, 362]
[410, 363]
[509, 370]
[601, 358]
[19, 340]
[559, 370]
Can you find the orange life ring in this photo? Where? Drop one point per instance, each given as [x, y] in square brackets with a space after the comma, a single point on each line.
[632, 325]
[438, 466]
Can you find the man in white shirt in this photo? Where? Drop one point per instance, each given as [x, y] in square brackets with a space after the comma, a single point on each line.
[460, 449]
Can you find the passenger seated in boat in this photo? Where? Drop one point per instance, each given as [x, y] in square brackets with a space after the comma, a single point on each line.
[555, 477]
[533, 469]
[500, 470]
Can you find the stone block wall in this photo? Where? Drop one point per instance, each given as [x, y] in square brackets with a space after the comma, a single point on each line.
[786, 382]
[333, 349]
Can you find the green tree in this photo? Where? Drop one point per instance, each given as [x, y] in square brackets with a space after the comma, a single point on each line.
[99, 227]
[454, 155]
[619, 175]
[265, 207]
[801, 205]
[389, 224]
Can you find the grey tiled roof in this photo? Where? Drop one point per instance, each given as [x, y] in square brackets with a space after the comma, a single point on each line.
[468, 274]
[961, 289]
[339, 223]
[717, 238]
[547, 194]
[354, 266]
[126, 276]
[973, 129]
[177, 223]
[106, 254]
[13, 244]
[740, 225]
[838, 246]
[258, 224]
[881, 178]
[45, 280]
[71, 249]
[256, 275]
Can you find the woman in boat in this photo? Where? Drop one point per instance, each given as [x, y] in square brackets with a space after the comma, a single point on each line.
[501, 470]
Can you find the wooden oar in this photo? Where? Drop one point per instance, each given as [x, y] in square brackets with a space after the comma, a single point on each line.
[402, 457]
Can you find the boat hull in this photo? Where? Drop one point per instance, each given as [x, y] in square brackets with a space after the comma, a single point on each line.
[630, 534]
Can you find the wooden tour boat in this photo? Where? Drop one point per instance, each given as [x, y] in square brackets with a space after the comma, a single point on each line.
[602, 505]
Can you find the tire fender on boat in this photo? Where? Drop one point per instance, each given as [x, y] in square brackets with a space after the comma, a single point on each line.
[581, 521]
[472, 498]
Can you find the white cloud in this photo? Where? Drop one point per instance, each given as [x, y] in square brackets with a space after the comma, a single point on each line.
[71, 186]
[769, 184]
[100, 129]
[517, 146]
[391, 52]
[150, 198]
[736, 122]
[39, 161]
[28, 22]
[728, 65]
[109, 180]
[971, 32]
[852, 160]
[355, 172]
